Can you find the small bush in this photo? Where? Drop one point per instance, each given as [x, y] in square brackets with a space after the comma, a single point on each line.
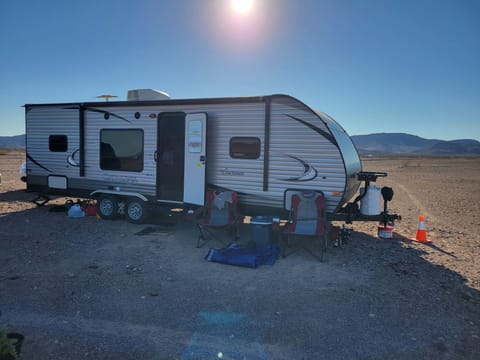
[7, 345]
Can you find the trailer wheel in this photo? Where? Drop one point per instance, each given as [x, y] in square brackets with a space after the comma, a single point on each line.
[107, 207]
[136, 210]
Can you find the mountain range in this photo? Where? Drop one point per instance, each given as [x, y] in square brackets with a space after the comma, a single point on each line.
[406, 144]
[371, 144]
[12, 142]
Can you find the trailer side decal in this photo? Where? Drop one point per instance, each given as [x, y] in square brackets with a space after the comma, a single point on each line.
[37, 163]
[309, 172]
[71, 159]
[316, 129]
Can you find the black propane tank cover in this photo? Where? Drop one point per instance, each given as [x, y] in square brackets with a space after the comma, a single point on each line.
[387, 193]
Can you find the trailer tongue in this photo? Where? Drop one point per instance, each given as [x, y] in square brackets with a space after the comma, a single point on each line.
[353, 212]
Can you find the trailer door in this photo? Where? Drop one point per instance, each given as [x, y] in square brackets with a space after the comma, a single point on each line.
[195, 158]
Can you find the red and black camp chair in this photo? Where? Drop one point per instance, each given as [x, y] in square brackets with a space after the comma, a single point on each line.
[219, 213]
[307, 220]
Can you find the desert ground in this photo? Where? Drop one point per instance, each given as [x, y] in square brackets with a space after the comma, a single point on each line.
[93, 289]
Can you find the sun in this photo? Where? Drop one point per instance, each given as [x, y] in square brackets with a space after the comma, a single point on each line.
[242, 6]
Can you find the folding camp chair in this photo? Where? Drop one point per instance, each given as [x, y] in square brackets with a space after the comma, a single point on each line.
[219, 213]
[307, 219]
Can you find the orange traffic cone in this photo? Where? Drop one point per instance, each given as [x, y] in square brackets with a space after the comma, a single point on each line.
[421, 235]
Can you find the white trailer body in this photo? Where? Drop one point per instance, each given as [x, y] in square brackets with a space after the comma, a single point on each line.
[170, 151]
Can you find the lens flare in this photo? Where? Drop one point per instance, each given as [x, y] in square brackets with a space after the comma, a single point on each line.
[242, 6]
[243, 27]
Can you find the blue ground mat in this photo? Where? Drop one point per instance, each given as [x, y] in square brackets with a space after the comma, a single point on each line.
[241, 255]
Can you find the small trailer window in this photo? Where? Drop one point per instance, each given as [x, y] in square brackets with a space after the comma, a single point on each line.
[58, 143]
[121, 149]
[243, 147]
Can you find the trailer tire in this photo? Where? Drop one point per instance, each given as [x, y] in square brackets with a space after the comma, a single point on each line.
[136, 210]
[107, 207]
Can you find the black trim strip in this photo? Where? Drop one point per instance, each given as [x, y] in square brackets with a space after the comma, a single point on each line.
[199, 101]
[82, 141]
[107, 112]
[266, 142]
[36, 163]
[316, 129]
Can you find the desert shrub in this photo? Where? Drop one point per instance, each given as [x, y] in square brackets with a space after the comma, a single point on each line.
[7, 345]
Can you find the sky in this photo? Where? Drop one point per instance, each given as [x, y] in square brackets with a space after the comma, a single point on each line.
[409, 66]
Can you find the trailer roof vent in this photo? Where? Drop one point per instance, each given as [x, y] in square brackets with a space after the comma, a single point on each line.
[146, 95]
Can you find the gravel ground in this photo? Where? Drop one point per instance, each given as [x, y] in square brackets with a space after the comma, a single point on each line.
[93, 289]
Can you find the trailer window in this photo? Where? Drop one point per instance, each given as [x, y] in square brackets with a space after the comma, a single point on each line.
[243, 147]
[58, 143]
[121, 149]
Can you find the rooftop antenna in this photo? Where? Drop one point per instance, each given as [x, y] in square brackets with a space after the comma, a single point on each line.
[106, 97]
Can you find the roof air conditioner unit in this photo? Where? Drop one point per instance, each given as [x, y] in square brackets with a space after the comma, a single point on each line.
[146, 95]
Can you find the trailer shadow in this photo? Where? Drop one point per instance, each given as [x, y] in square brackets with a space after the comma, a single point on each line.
[155, 296]
[158, 217]
[401, 254]
[16, 195]
[406, 287]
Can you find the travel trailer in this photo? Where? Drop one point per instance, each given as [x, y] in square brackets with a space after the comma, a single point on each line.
[152, 149]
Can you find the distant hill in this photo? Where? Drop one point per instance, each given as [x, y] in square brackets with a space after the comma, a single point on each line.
[375, 144]
[12, 142]
[457, 147]
[400, 143]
